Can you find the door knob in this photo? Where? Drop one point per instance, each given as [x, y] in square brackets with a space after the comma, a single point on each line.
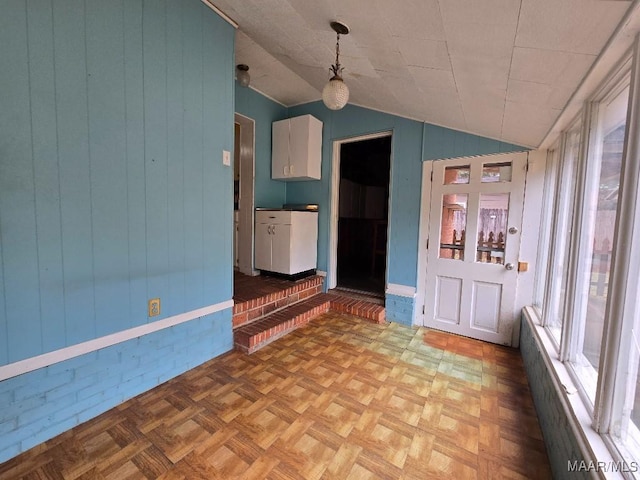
[509, 266]
[513, 230]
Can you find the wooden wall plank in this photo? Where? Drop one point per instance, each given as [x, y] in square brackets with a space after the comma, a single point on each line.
[107, 144]
[155, 134]
[46, 173]
[193, 154]
[135, 174]
[17, 192]
[75, 177]
[175, 141]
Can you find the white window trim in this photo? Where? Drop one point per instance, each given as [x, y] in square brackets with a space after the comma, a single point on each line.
[623, 305]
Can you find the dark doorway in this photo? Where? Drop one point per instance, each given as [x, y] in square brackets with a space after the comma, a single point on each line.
[363, 215]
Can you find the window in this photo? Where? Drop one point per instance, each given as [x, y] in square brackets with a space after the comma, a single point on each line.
[561, 234]
[544, 242]
[598, 220]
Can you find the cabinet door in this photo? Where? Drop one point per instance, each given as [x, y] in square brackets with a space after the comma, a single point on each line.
[281, 249]
[299, 146]
[263, 246]
[280, 149]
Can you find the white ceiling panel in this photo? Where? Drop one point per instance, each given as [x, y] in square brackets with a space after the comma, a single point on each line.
[431, 78]
[530, 93]
[519, 120]
[482, 12]
[498, 68]
[424, 53]
[578, 26]
[410, 18]
[549, 66]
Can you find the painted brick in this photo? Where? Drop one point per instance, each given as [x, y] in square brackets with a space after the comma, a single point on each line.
[133, 367]
[70, 364]
[19, 407]
[562, 446]
[41, 385]
[8, 426]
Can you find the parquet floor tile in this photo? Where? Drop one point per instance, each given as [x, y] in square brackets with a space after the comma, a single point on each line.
[340, 398]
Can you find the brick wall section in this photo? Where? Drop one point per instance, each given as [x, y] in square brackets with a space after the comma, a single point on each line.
[39, 405]
[399, 309]
[561, 443]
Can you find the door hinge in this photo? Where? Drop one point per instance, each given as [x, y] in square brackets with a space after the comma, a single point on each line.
[427, 244]
[432, 175]
[422, 309]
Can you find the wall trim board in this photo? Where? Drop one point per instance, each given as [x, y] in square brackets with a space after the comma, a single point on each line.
[50, 358]
[223, 15]
[400, 290]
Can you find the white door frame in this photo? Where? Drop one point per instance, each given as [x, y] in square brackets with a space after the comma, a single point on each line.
[332, 273]
[247, 200]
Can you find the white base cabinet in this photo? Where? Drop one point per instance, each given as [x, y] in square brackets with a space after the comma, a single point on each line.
[286, 241]
[296, 152]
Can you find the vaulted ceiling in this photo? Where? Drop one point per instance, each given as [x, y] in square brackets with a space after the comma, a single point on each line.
[503, 69]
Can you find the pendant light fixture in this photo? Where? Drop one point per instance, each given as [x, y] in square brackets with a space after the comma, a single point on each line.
[242, 74]
[335, 94]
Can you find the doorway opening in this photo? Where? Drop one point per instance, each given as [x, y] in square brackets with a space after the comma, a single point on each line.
[363, 211]
[243, 186]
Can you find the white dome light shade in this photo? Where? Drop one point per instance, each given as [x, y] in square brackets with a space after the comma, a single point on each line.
[242, 75]
[335, 94]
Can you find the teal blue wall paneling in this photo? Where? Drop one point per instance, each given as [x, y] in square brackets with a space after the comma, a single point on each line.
[114, 116]
[175, 167]
[46, 174]
[218, 136]
[75, 176]
[18, 216]
[135, 173]
[108, 163]
[441, 142]
[267, 192]
[193, 152]
[154, 51]
[406, 168]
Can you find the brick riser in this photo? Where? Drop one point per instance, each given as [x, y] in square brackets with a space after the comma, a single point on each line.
[251, 311]
[257, 334]
[359, 308]
[250, 338]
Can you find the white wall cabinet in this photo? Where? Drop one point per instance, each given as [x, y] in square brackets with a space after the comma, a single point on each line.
[286, 241]
[296, 149]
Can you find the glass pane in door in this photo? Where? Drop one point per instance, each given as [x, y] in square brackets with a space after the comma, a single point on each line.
[453, 226]
[457, 174]
[496, 172]
[492, 227]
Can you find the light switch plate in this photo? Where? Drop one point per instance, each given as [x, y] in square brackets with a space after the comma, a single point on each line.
[226, 158]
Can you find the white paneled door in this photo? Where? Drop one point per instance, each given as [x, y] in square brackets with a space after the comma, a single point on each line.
[474, 239]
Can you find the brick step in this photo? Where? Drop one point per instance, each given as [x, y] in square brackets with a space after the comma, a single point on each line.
[259, 333]
[358, 307]
[272, 295]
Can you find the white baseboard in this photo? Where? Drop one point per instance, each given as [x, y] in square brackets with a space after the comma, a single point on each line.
[400, 290]
[49, 358]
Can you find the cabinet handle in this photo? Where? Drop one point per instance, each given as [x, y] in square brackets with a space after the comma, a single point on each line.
[268, 229]
[273, 229]
[291, 169]
[285, 171]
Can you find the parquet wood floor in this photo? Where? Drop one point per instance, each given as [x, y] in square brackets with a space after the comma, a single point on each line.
[340, 398]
